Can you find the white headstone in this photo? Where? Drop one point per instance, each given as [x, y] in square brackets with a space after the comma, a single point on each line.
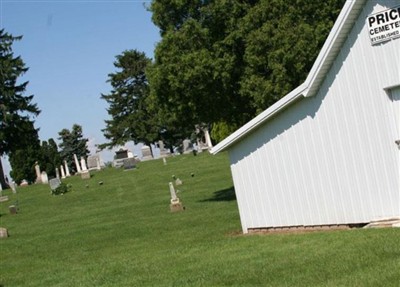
[78, 167]
[3, 232]
[62, 171]
[174, 198]
[57, 173]
[45, 179]
[83, 164]
[146, 153]
[98, 166]
[67, 174]
[208, 138]
[38, 173]
[187, 146]
[13, 186]
[161, 145]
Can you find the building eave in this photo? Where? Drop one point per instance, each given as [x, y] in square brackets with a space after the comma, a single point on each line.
[310, 87]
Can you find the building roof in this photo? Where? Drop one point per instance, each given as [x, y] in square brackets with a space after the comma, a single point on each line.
[319, 70]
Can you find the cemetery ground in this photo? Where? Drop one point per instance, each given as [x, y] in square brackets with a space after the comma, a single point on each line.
[122, 233]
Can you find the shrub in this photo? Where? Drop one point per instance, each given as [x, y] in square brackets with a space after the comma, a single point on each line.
[61, 189]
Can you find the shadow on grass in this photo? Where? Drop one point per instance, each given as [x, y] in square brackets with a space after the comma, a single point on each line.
[227, 194]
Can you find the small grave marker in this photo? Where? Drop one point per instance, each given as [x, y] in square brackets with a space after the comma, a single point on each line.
[54, 183]
[3, 198]
[3, 232]
[12, 209]
[85, 174]
[175, 205]
[129, 163]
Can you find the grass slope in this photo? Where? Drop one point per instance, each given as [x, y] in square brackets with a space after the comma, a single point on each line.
[121, 233]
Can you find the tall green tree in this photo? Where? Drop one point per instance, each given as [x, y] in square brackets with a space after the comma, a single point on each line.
[72, 142]
[222, 62]
[198, 63]
[16, 110]
[283, 39]
[133, 114]
[50, 157]
[23, 158]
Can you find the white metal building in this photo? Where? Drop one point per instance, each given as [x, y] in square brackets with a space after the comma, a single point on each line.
[326, 153]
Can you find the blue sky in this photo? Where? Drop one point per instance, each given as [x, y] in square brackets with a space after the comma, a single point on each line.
[70, 47]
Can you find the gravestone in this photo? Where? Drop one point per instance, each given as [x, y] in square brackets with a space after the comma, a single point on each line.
[62, 171]
[45, 179]
[3, 198]
[78, 167]
[146, 153]
[38, 173]
[208, 138]
[175, 204]
[57, 173]
[67, 173]
[121, 154]
[3, 232]
[13, 187]
[54, 183]
[85, 174]
[178, 181]
[129, 163]
[93, 162]
[24, 182]
[12, 209]
[83, 164]
[119, 157]
[187, 146]
[163, 151]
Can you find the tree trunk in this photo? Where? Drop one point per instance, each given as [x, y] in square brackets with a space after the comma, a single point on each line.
[151, 149]
[3, 182]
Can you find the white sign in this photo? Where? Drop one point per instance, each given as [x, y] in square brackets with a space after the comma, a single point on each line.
[384, 25]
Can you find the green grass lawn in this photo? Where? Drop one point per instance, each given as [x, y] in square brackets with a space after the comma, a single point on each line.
[121, 233]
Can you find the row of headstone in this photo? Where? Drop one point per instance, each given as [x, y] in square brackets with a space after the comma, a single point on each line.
[41, 177]
[94, 162]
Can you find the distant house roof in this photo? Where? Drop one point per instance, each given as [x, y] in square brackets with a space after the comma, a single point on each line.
[309, 88]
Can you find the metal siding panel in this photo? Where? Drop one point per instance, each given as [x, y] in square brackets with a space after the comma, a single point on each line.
[329, 159]
[241, 196]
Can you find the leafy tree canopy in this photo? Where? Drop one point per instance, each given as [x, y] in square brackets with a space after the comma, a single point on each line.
[222, 62]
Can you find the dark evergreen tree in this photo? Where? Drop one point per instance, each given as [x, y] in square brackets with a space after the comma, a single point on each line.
[50, 157]
[132, 113]
[23, 159]
[16, 110]
[72, 142]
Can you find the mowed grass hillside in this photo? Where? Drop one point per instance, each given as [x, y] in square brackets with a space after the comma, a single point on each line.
[121, 233]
